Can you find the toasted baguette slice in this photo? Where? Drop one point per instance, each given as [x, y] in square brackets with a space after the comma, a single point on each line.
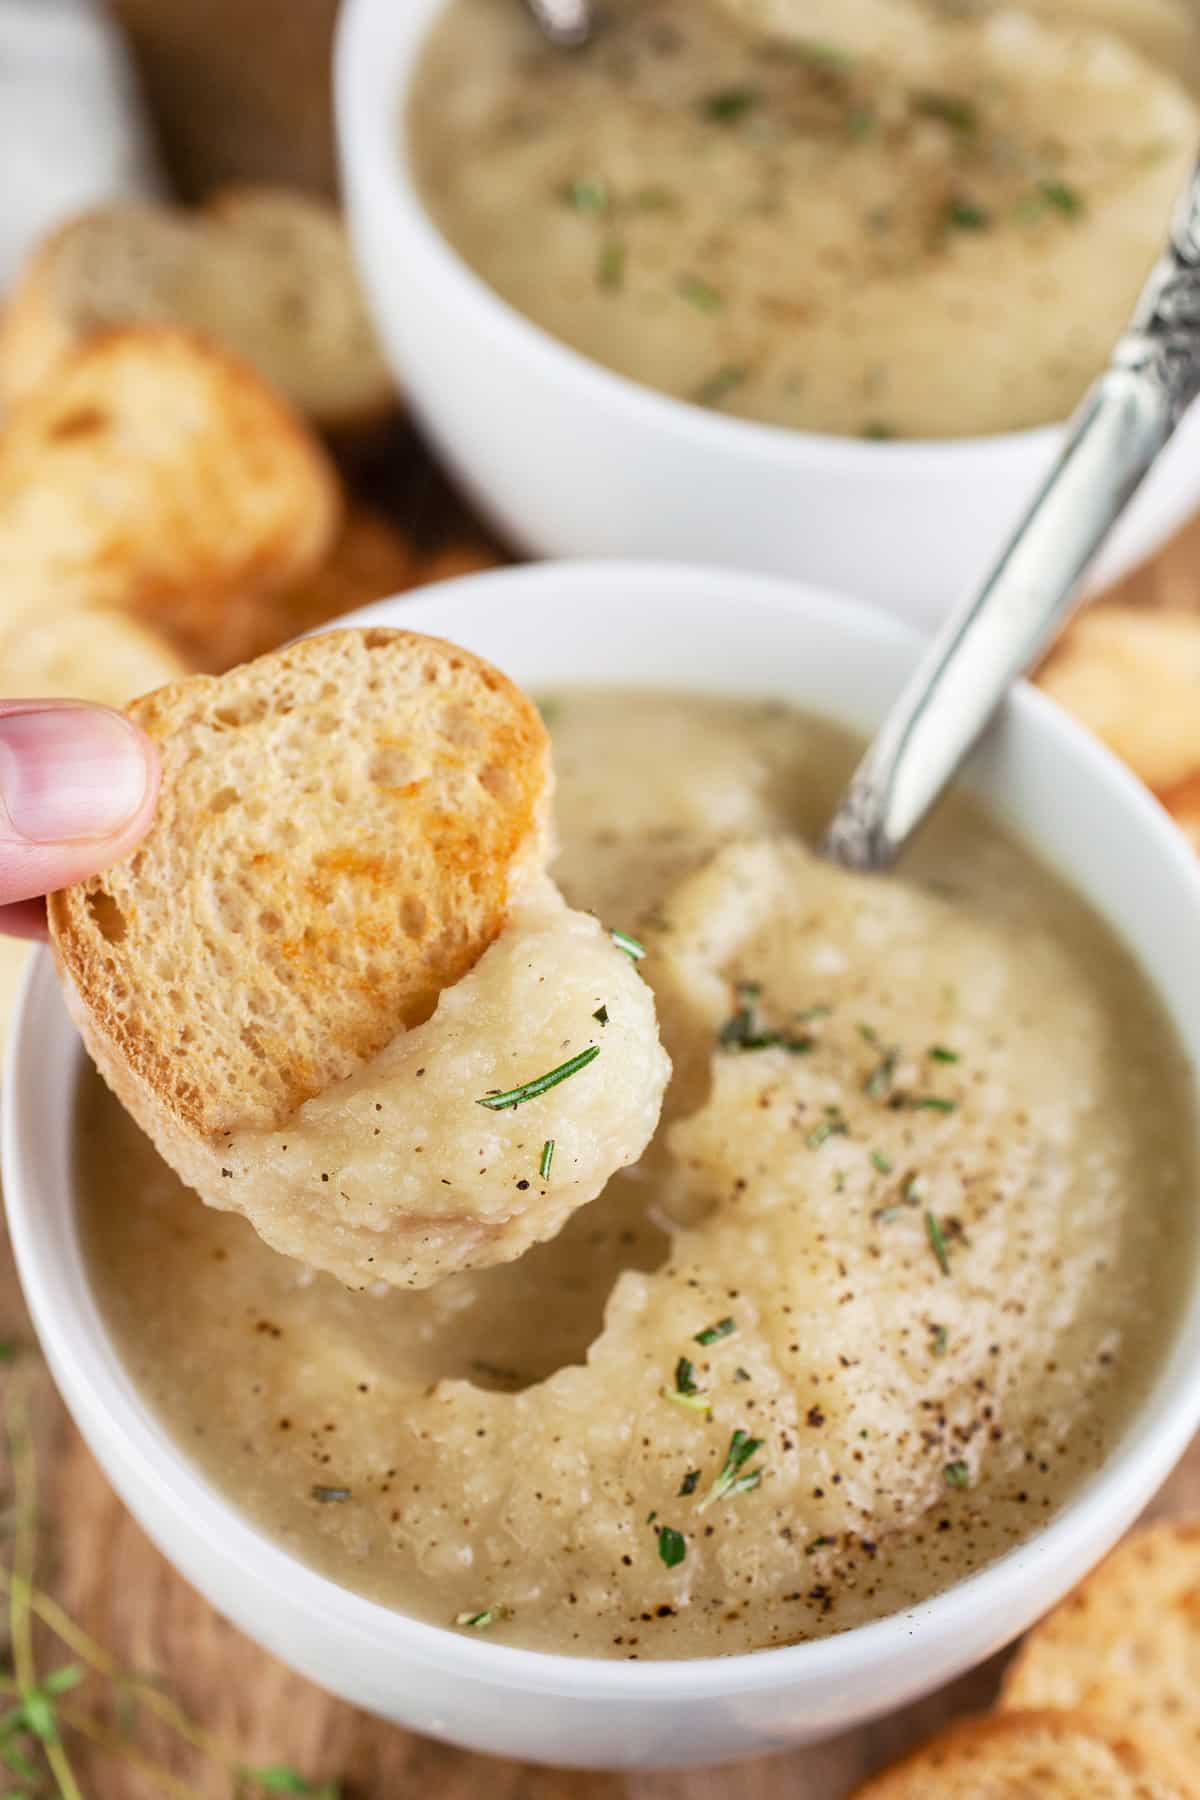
[1182, 801]
[1125, 1647]
[371, 560]
[265, 272]
[156, 474]
[343, 825]
[1028, 1756]
[1133, 678]
[89, 655]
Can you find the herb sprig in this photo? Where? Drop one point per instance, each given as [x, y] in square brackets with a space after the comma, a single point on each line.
[541, 1084]
[730, 1480]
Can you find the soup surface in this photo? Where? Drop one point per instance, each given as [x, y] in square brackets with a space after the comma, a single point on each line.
[896, 1271]
[937, 233]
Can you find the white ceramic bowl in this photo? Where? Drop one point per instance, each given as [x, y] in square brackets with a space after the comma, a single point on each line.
[569, 459]
[711, 632]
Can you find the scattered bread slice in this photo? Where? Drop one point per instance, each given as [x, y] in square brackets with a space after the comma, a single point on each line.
[265, 272]
[158, 475]
[1182, 801]
[94, 655]
[1028, 1756]
[1125, 1646]
[342, 827]
[370, 561]
[1133, 677]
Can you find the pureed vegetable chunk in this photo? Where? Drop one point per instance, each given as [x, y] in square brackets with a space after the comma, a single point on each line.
[893, 1277]
[937, 243]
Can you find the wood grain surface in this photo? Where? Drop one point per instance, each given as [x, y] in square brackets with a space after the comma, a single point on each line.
[94, 1560]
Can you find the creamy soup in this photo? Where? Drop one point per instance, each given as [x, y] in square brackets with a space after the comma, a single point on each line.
[891, 1280]
[939, 236]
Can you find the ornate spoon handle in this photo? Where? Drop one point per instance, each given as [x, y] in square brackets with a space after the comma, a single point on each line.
[1122, 424]
[567, 23]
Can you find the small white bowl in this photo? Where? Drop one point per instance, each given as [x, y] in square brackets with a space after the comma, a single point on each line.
[703, 631]
[569, 459]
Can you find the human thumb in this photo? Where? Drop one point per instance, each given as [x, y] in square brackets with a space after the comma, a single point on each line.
[77, 790]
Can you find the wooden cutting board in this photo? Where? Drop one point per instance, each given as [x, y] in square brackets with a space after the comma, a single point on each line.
[93, 1559]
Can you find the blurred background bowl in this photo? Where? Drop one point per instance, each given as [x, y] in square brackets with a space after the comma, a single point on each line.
[566, 458]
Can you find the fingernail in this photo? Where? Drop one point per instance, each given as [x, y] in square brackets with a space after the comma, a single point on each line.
[70, 773]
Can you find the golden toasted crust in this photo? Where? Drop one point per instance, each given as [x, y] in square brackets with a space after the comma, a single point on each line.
[157, 475]
[266, 272]
[1020, 1755]
[1133, 677]
[342, 827]
[1125, 1646]
[1182, 801]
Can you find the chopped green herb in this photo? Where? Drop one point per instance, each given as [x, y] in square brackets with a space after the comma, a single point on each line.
[939, 1053]
[957, 1475]
[701, 294]
[730, 104]
[813, 1012]
[740, 1374]
[547, 1159]
[932, 1103]
[878, 1084]
[695, 1402]
[867, 1033]
[1064, 199]
[877, 433]
[744, 1030]
[628, 944]
[601, 1015]
[685, 1392]
[862, 122]
[828, 1128]
[819, 1543]
[541, 1084]
[672, 1546]
[690, 1483]
[587, 196]
[720, 383]
[712, 1334]
[879, 1161]
[610, 266]
[914, 1193]
[730, 1481]
[941, 1340]
[329, 1496]
[886, 1214]
[478, 1621]
[963, 215]
[650, 1517]
[951, 109]
[937, 1242]
[8, 1351]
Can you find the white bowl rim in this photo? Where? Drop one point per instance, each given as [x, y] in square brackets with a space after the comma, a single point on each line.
[1156, 1437]
[375, 138]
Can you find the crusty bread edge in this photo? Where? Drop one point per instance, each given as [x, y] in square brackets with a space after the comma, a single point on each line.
[34, 341]
[1134, 1754]
[176, 1129]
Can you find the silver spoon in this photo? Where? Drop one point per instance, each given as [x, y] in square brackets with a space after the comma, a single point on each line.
[1121, 426]
[567, 23]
